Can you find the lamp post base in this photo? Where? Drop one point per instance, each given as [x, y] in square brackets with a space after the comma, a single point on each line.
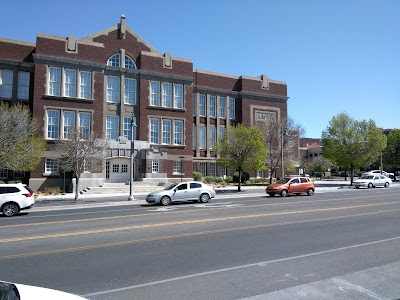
[131, 197]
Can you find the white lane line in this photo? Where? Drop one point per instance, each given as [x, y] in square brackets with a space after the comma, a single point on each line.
[346, 285]
[237, 268]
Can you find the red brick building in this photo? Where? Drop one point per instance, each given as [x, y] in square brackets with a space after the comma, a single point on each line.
[97, 83]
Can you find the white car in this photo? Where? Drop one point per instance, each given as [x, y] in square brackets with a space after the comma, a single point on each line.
[182, 191]
[372, 180]
[15, 197]
[387, 174]
[16, 291]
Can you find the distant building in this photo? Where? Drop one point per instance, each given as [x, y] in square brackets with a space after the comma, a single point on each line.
[99, 82]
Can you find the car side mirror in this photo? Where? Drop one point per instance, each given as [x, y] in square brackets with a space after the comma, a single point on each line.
[175, 189]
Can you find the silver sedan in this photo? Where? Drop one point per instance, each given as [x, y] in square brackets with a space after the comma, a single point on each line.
[182, 191]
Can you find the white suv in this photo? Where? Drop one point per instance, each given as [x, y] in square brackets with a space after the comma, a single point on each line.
[15, 197]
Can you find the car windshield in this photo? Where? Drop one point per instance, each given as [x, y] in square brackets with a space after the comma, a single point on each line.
[170, 187]
[283, 180]
[367, 177]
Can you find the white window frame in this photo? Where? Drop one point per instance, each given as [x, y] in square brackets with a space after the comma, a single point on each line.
[111, 130]
[231, 108]
[6, 86]
[178, 132]
[113, 89]
[69, 83]
[68, 126]
[23, 85]
[213, 136]
[85, 88]
[202, 105]
[155, 166]
[213, 106]
[202, 137]
[166, 94]
[128, 128]
[155, 130]
[177, 168]
[54, 81]
[54, 133]
[166, 131]
[178, 96]
[51, 165]
[155, 93]
[222, 107]
[85, 124]
[130, 91]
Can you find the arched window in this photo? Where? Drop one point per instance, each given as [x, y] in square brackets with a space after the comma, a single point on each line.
[114, 60]
[129, 63]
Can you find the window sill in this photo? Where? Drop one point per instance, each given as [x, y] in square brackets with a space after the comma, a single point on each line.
[63, 98]
[51, 174]
[154, 107]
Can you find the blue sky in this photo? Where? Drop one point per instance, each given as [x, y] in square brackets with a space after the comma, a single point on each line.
[335, 56]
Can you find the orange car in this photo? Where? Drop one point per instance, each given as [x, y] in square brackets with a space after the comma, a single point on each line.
[291, 185]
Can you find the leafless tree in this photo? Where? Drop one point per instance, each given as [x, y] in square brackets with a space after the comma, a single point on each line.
[81, 152]
[276, 130]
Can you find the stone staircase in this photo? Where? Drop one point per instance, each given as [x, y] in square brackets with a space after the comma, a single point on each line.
[123, 188]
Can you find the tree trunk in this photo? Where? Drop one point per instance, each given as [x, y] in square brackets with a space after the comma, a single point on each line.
[77, 188]
[345, 174]
[351, 174]
[240, 179]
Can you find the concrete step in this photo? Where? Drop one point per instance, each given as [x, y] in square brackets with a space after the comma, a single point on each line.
[117, 188]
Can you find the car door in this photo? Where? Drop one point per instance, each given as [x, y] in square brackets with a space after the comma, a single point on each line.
[378, 181]
[195, 189]
[295, 186]
[180, 192]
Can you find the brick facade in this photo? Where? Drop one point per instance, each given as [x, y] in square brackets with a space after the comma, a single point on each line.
[252, 96]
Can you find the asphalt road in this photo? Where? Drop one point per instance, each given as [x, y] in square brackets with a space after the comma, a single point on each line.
[333, 245]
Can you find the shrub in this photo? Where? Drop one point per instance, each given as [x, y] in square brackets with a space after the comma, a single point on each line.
[209, 179]
[228, 179]
[1, 181]
[14, 181]
[244, 177]
[55, 190]
[197, 176]
[219, 179]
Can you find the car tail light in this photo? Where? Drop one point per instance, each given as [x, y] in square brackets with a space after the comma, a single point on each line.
[28, 195]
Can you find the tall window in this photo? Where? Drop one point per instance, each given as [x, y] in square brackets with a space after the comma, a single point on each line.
[130, 91]
[194, 108]
[113, 88]
[69, 123]
[202, 137]
[54, 81]
[53, 123]
[112, 127]
[155, 93]
[128, 128]
[84, 125]
[222, 171]
[222, 132]
[213, 169]
[232, 108]
[222, 107]
[203, 169]
[178, 132]
[166, 94]
[178, 95]
[213, 136]
[51, 165]
[85, 85]
[6, 78]
[202, 104]
[213, 105]
[154, 131]
[70, 83]
[166, 131]
[23, 85]
[155, 166]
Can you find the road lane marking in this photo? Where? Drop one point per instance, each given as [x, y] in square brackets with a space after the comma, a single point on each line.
[346, 285]
[187, 211]
[124, 228]
[191, 234]
[110, 291]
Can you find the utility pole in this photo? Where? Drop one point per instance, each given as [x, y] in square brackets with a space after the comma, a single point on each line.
[133, 126]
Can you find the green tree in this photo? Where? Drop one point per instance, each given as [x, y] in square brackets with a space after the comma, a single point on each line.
[350, 143]
[242, 148]
[21, 149]
[391, 154]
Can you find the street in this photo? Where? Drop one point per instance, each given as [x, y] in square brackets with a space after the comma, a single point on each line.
[333, 245]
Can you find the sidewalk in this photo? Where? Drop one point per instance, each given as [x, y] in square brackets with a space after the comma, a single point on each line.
[62, 202]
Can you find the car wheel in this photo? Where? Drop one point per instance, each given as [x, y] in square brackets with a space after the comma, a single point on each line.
[10, 209]
[357, 187]
[370, 185]
[271, 194]
[165, 200]
[204, 198]
[310, 192]
[386, 184]
[284, 193]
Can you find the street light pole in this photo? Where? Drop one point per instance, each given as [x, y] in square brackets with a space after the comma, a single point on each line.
[181, 157]
[283, 132]
[133, 125]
